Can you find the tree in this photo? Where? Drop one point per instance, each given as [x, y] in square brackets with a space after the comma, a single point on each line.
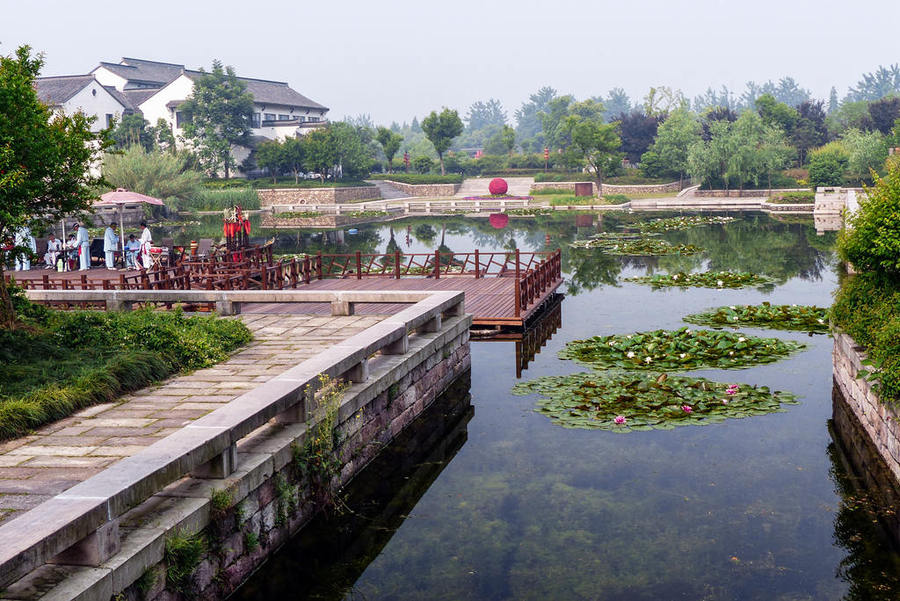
[827, 165]
[597, 143]
[45, 160]
[528, 121]
[884, 113]
[482, 114]
[268, 157]
[833, 103]
[637, 130]
[866, 152]
[872, 242]
[876, 85]
[502, 142]
[508, 136]
[553, 122]
[776, 113]
[162, 136]
[319, 153]
[353, 155]
[660, 101]
[674, 138]
[616, 103]
[154, 173]
[441, 129]
[132, 130]
[293, 157]
[810, 130]
[390, 143]
[218, 112]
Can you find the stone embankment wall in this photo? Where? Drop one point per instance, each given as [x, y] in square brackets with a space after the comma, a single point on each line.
[425, 190]
[879, 421]
[316, 196]
[745, 193]
[610, 189]
[274, 221]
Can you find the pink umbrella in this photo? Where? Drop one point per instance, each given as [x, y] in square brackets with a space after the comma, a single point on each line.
[122, 197]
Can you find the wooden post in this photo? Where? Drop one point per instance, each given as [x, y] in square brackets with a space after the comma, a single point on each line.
[358, 265]
[397, 264]
[319, 264]
[517, 269]
[477, 265]
[46, 281]
[518, 300]
[437, 264]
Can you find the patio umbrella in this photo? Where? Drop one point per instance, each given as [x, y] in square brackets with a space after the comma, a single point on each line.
[121, 197]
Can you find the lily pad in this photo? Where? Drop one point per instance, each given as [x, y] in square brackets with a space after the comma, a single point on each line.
[684, 222]
[640, 246]
[678, 350]
[706, 279]
[629, 402]
[776, 317]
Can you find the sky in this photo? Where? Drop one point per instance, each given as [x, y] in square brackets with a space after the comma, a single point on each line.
[397, 59]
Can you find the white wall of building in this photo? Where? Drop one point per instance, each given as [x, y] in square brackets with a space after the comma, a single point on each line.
[94, 100]
[155, 108]
[108, 78]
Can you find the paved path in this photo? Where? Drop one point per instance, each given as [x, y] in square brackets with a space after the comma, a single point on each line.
[388, 192]
[60, 455]
[478, 186]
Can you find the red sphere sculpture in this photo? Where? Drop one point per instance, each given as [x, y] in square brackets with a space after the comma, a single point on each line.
[498, 186]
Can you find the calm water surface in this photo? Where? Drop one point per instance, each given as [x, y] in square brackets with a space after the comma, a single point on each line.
[511, 506]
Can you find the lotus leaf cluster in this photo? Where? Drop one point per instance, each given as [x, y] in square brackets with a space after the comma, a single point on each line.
[766, 315]
[637, 247]
[671, 350]
[628, 402]
[706, 279]
[684, 222]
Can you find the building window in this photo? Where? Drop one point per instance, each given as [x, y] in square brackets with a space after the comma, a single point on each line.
[255, 119]
[301, 119]
[269, 117]
[109, 119]
[284, 117]
[313, 119]
[181, 118]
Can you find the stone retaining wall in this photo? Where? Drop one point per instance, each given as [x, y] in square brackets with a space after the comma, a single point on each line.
[425, 190]
[745, 193]
[609, 188]
[879, 421]
[268, 498]
[314, 196]
[277, 222]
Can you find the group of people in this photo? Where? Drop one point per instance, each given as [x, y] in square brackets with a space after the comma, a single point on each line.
[78, 246]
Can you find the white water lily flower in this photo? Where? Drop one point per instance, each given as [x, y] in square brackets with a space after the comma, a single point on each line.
[741, 339]
[628, 337]
[630, 354]
[732, 307]
[675, 277]
[683, 355]
[647, 359]
[821, 321]
[720, 283]
[731, 352]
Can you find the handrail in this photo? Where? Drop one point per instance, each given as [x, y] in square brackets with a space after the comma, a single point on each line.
[34, 538]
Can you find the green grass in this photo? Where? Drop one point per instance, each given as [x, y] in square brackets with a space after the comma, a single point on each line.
[60, 362]
[219, 199]
[418, 178]
[571, 199]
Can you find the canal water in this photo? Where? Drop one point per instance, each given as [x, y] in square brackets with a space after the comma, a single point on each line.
[499, 503]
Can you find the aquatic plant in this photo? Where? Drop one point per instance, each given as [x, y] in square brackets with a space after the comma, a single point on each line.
[630, 402]
[706, 279]
[668, 224]
[766, 315]
[638, 246]
[677, 350]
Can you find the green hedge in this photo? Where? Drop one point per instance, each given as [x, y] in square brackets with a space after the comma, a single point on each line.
[418, 178]
[63, 361]
[786, 198]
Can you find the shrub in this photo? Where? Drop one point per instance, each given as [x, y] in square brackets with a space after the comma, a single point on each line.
[160, 174]
[423, 164]
[563, 177]
[872, 243]
[793, 197]
[827, 165]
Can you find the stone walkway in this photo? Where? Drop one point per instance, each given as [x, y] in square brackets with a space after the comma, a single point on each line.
[58, 456]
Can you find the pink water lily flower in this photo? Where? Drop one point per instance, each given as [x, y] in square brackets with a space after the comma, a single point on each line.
[686, 408]
[732, 389]
[620, 419]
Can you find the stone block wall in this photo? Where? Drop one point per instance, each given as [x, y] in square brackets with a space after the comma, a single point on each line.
[270, 504]
[426, 190]
[879, 421]
[610, 189]
[316, 196]
[745, 193]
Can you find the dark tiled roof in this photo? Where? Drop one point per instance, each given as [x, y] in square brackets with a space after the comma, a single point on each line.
[137, 97]
[54, 91]
[143, 71]
[273, 92]
[122, 98]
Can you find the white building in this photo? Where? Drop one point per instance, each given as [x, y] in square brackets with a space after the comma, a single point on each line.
[72, 93]
[157, 90]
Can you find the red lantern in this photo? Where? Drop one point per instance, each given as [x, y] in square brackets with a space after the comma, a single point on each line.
[498, 186]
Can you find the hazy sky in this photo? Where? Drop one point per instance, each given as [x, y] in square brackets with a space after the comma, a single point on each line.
[397, 59]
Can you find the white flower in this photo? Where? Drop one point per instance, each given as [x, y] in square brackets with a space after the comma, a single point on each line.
[647, 359]
[630, 354]
[741, 339]
[724, 401]
[821, 321]
[611, 343]
[720, 283]
[730, 352]
[628, 337]
[675, 277]
[683, 355]
[794, 305]
[732, 307]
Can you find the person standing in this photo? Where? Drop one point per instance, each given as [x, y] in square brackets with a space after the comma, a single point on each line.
[110, 246]
[83, 244]
[54, 247]
[24, 239]
[146, 243]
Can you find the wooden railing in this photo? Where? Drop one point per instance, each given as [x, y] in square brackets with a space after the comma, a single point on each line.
[533, 283]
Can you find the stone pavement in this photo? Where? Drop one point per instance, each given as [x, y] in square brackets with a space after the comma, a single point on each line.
[58, 456]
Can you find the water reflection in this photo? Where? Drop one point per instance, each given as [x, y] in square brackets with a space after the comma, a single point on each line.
[867, 523]
[326, 560]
